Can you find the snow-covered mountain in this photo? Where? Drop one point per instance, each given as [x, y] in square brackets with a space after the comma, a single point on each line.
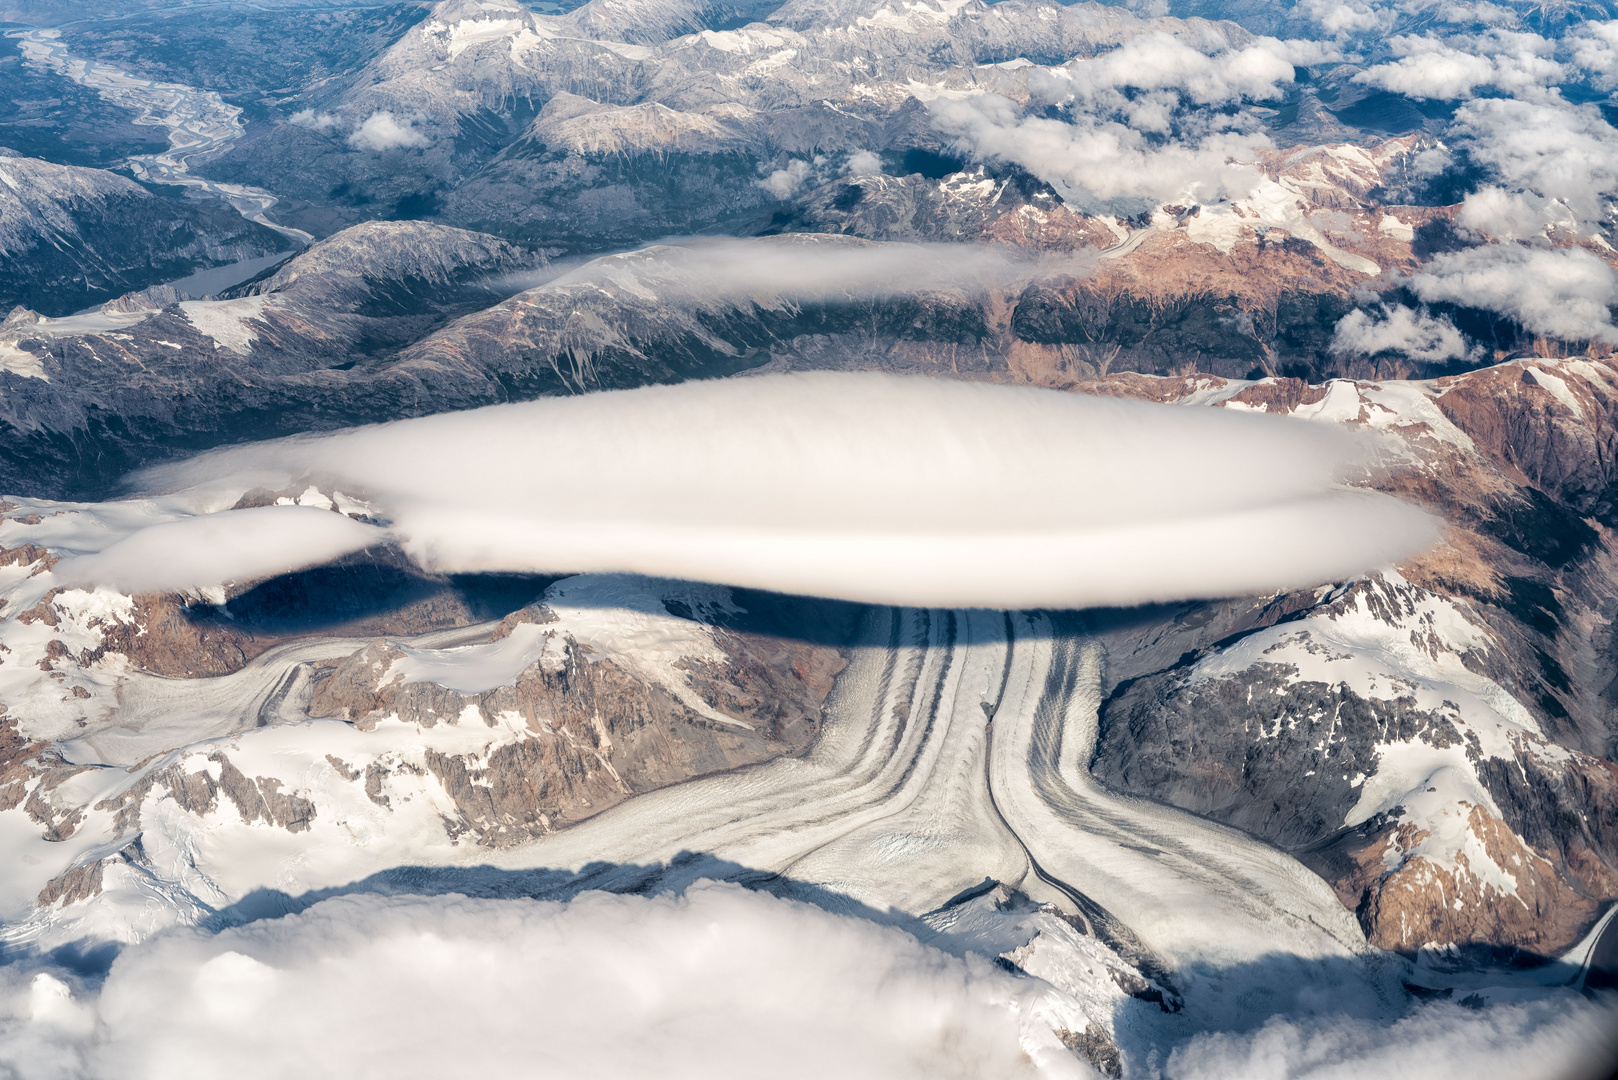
[72, 237]
[362, 700]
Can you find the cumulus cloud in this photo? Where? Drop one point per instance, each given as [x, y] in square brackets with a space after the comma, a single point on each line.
[1593, 48]
[1564, 1036]
[718, 982]
[1513, 215]
[214, 549]
[865, 487]
[1455, 65]
[315, 121]
[1559, 292]
[382, 130]
[1157, 61]
[864, 163]
[1401, 330]
[784, 183]
[1347, 18]
[1547, 148]
[1093, 162]
[1158, 118]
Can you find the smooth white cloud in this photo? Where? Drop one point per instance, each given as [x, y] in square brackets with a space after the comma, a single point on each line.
[1563, 1036]
[383, 130]
[768, 270]
[213, 549]
[718, 982]
[1560, 292]
[1398, 329]
[866, 487]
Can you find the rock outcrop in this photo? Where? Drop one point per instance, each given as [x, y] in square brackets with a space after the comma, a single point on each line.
[1415, 737]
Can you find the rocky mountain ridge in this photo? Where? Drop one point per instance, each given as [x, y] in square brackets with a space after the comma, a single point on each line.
[71, 237]
[1413, 736]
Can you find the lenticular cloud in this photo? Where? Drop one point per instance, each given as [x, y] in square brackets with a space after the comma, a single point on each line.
[214, 548]
[864, 487]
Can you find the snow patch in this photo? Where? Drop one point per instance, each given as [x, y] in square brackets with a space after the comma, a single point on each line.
[227, 322]
[472, 669]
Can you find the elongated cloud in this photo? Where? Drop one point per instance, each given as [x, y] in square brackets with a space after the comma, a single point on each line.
[864, 487]
[810, 267]
[213, 549]
[719, 982]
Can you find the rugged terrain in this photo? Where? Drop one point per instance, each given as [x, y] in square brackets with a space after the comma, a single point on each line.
[71, 237]
[1390, 787]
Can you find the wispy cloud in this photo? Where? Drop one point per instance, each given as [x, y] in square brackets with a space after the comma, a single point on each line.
[813, 267]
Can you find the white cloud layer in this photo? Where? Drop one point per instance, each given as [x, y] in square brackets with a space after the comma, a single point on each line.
[214, 549]
[719, 982]
[383, 130]
[863, 487]
[1565, 1036]
[1566, 293]
[813, 267]
[1398, 329]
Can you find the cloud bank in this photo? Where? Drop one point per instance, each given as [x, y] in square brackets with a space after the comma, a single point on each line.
[863, 487]
[1565, 1036]
[1455, 65]
[809, 267]
[718, 982]
[1549, 149]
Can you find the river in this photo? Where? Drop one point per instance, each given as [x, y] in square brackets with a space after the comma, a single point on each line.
[200, 123]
